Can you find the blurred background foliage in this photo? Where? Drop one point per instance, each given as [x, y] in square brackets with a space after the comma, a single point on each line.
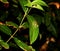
[43, 22]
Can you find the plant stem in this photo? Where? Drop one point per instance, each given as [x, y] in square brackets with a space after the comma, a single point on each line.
[26, 13]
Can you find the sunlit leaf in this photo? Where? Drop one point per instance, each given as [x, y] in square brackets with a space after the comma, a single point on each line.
[22, 45]
[33, 29]
[42, 3]
[37, 6]
[38, 18]
[4, 44]
[12, 24]
[5, 29]
[32, 48]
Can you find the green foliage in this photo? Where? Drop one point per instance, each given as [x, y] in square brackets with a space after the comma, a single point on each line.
[12, 24]
[20, 22]
[4, 44]
[5, 29]
[22, 45]
[40, 2]
[36, 4]
[33, 29]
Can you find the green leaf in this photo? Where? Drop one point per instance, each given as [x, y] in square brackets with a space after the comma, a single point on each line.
[38, 18]
[22, 3]
[37, 6]
[32, 48]
[42, 3]
[5, 29]
[33, 29]
[12, 24]
[21, 44]
[4, 44]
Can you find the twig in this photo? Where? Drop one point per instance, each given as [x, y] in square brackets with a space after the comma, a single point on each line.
[26, 13]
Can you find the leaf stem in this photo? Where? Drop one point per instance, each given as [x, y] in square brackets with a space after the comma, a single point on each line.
[26, 13]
